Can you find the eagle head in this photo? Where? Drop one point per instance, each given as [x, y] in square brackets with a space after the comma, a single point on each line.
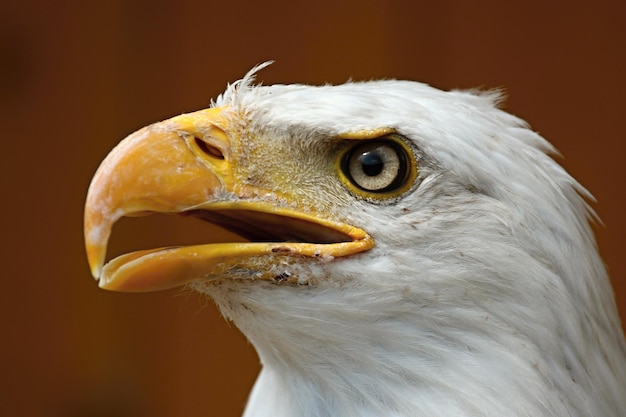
[408, 251]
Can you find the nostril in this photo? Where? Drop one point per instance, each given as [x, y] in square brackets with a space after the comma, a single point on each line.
[209, 149]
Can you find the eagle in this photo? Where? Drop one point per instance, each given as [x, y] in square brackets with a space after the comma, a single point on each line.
[406, 251]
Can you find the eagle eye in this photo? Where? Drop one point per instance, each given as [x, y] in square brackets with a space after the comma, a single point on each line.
[379, 168]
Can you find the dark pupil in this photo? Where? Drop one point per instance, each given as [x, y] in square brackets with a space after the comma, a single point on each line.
[372, 163]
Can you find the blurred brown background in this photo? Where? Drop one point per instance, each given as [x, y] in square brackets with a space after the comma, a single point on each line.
[76, 77]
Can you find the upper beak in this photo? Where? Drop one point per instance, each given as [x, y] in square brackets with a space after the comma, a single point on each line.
[152, 170]
[186, 164]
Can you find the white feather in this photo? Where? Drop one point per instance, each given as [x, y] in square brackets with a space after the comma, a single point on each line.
[484, 294]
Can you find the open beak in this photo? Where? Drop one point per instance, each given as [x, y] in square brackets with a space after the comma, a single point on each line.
[186, 165]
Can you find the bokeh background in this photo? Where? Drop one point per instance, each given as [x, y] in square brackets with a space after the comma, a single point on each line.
[78, 76]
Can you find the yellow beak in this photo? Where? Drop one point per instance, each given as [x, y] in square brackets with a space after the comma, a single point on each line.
[186, 165]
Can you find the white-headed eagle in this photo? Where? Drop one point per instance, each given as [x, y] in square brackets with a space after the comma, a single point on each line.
[411, 252]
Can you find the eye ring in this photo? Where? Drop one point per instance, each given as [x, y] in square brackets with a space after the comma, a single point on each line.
[379, 168]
